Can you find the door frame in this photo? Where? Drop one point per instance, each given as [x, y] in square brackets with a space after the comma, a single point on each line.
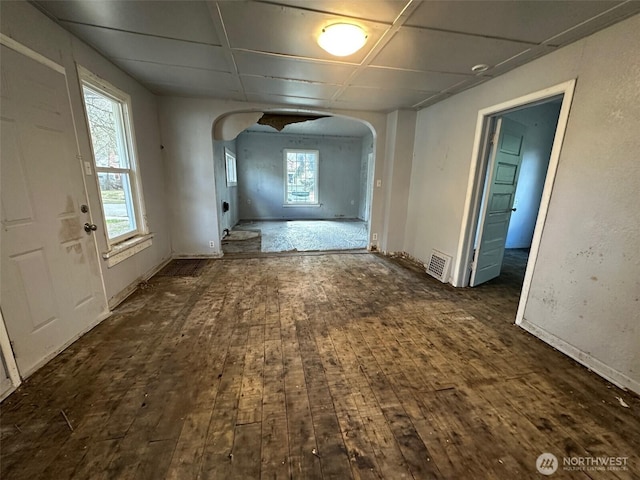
[9, 359]
[477, 173]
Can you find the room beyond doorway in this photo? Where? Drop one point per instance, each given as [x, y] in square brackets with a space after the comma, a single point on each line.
[271, 236]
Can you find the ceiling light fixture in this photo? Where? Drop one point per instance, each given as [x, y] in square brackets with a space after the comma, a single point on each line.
[342, 39]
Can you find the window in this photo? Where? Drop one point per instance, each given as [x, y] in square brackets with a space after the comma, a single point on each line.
[301, 177]
[108, 116]
[232, 172]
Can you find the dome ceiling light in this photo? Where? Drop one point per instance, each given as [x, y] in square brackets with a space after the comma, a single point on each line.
[342, 39]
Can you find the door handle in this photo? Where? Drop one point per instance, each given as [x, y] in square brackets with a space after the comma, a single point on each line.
[90, 227]
[513, 209]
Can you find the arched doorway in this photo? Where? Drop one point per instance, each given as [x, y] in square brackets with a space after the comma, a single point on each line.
[291, 181]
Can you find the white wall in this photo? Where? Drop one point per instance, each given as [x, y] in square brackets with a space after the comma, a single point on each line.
[261, 176]
[401, 128]
[186, 128]
[24, 23]
[367, 148]
[584, 293]
[541, 122]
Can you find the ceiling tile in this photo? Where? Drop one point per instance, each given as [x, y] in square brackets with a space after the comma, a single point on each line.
[287, 87]
[181, 20]
[432, 100]
[154, 73]
[195, 91]
[408, 80]
[131, 46]
[530, 21]
[518, 60]
[286, 30]
[580, 31]
[374, 105]
[417, 49]
[381, 98]
[287, 100]
[284, 67]
[375, 10]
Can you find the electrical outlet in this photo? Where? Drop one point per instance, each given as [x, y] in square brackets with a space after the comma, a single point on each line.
[378, 183]
[212, 244]
[374, 237]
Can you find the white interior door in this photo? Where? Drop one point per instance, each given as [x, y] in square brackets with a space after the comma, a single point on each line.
[51, 289]
[500, 189]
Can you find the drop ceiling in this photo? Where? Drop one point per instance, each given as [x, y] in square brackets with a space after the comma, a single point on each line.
[417, 52]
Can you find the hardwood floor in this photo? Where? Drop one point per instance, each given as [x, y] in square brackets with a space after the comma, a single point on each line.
[313, 366]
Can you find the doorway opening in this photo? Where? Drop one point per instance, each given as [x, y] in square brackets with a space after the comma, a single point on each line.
[304, 187]
[516, 152]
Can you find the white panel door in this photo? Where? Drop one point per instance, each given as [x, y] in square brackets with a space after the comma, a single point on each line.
[51, 285]
[499, 195]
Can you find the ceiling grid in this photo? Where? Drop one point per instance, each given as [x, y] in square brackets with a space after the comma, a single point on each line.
[417, 52]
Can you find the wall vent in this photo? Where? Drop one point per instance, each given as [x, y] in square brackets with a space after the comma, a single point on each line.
[439, 265]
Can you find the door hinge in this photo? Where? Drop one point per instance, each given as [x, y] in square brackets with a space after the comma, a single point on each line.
[13, 348]
[494, 138]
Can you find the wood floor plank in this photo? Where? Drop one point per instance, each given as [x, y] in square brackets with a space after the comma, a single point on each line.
[246, 460]
[187, 456]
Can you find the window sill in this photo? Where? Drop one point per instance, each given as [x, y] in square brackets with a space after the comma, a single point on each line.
[126, 249]
[298, 205]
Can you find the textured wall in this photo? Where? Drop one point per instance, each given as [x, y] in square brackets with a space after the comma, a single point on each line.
[584, 294]
[261, 176]
[586, 288]
[401, 128]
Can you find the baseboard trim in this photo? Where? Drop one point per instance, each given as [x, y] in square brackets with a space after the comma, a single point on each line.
[617, 378]
[121, 296]
[196, 256]
[103, 316]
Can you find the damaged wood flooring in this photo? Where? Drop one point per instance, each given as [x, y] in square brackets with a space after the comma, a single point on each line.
[331, 366]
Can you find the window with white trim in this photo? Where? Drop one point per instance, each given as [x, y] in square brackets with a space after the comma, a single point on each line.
[232, 171]
[108, 113]
[301, 177]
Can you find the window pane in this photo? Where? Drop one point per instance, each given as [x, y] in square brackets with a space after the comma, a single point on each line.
[232, 173]
[117, 202]
[301, 177]
[106, 127]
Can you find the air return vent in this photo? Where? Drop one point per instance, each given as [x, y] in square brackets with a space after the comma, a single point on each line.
[439, 265]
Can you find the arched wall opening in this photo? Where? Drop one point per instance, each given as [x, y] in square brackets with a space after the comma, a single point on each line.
[258, 192]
